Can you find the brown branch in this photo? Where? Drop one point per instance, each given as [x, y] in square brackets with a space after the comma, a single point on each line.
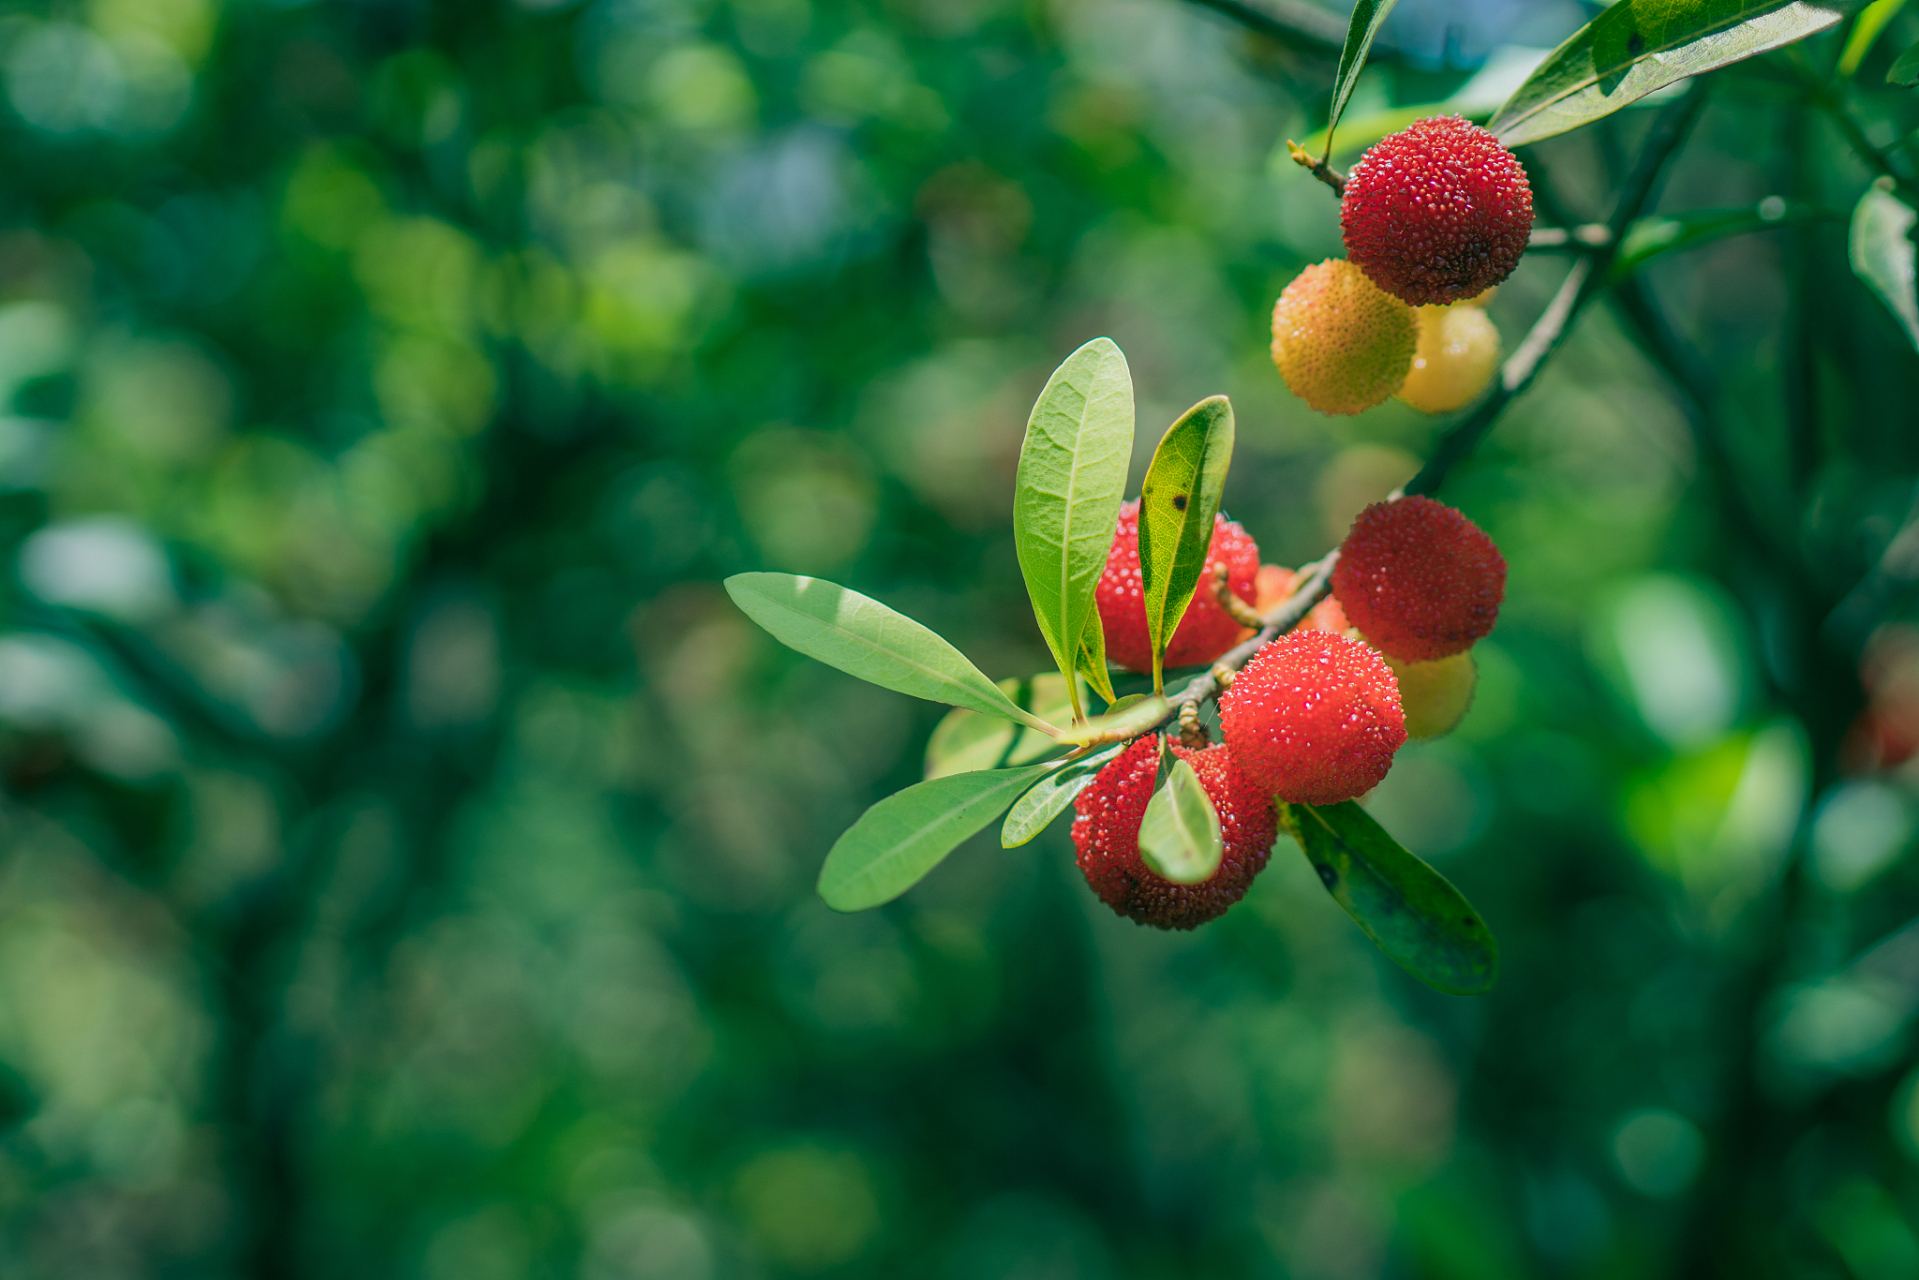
[1236, 609]
[1318, 168]
[1582, 284]
[1587, 277]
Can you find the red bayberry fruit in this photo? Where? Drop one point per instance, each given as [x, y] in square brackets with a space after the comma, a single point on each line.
[1106, 833]
[1314, 718]
[1419, 579]
[1206, 630]
[1437, 212]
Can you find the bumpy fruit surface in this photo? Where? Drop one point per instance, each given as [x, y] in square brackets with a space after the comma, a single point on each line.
[1419, 579]
[1275, 583]
[1435, 695]
[1314, 718]
[1342, 343]
[1437, 212]
[1106, 833]
[1205, 631]
[1457, 356]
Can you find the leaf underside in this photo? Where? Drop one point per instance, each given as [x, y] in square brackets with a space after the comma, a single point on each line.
[1047, 799]
[1882, 253]
[1410, 911]
[1072, 475]
[1639, 46]
[897, 841]
[965, 741]
[864, 638]
[1179, 838]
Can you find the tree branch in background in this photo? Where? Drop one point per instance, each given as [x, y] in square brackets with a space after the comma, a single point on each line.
[1302, 26]
[1587, 277]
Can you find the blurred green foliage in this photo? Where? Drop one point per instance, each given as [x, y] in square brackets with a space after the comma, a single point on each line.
[406, 850]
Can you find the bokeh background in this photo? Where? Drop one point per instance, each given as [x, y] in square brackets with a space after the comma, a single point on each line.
[406, 851]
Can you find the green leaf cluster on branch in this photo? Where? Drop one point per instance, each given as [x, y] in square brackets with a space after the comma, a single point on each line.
[1034, 747]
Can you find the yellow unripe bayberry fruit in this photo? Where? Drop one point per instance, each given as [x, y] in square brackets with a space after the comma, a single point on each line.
[1458, 354]
[1435, 695]
[1342, 343]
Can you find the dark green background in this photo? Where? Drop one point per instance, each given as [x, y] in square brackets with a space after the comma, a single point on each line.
[406, 851]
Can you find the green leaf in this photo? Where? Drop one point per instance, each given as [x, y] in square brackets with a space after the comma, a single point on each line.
[1882, 251]
[896, 842]
[1905, 70]
[1872, 20]
[1649, 237]
[1406, 908]
[1072, 475]
[1638, 46]
[1360, 30]
[1179, 836]
[864, 638]
[1118, 726]
[1092, 658]
[1048, 797]
[965, 741]
[1177, 504]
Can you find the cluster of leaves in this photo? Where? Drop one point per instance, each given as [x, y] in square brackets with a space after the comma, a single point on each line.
[1072, 478]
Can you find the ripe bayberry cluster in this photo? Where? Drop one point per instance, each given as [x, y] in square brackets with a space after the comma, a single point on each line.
[1433, 217]
[1316, 716]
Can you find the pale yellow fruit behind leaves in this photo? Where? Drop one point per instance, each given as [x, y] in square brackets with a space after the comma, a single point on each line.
[1435, 695]
[1457, 355]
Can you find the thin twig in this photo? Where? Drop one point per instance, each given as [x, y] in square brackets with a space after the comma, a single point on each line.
[1580, 239]
[1318, 168]
[1316, 581]
[1587, 277]
[1236, 609]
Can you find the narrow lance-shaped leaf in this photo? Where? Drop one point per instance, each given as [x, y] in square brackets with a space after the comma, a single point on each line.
[1882, 252]
[1638, 46]
[1176, 508]
[1072, 475]
[1648, 238]
[1179, 836]
[1092, 657]
[1048, 797]
[1409, 910]
[896, 842]
[1360, 30]
[964, 741]
[1865, 31]
[864, 638]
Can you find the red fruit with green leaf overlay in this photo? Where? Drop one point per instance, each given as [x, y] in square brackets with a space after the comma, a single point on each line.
[1205, 631]
[1106, 833]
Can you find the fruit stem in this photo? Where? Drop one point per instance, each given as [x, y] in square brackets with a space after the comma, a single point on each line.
[1318, 168]
[1236, 609]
